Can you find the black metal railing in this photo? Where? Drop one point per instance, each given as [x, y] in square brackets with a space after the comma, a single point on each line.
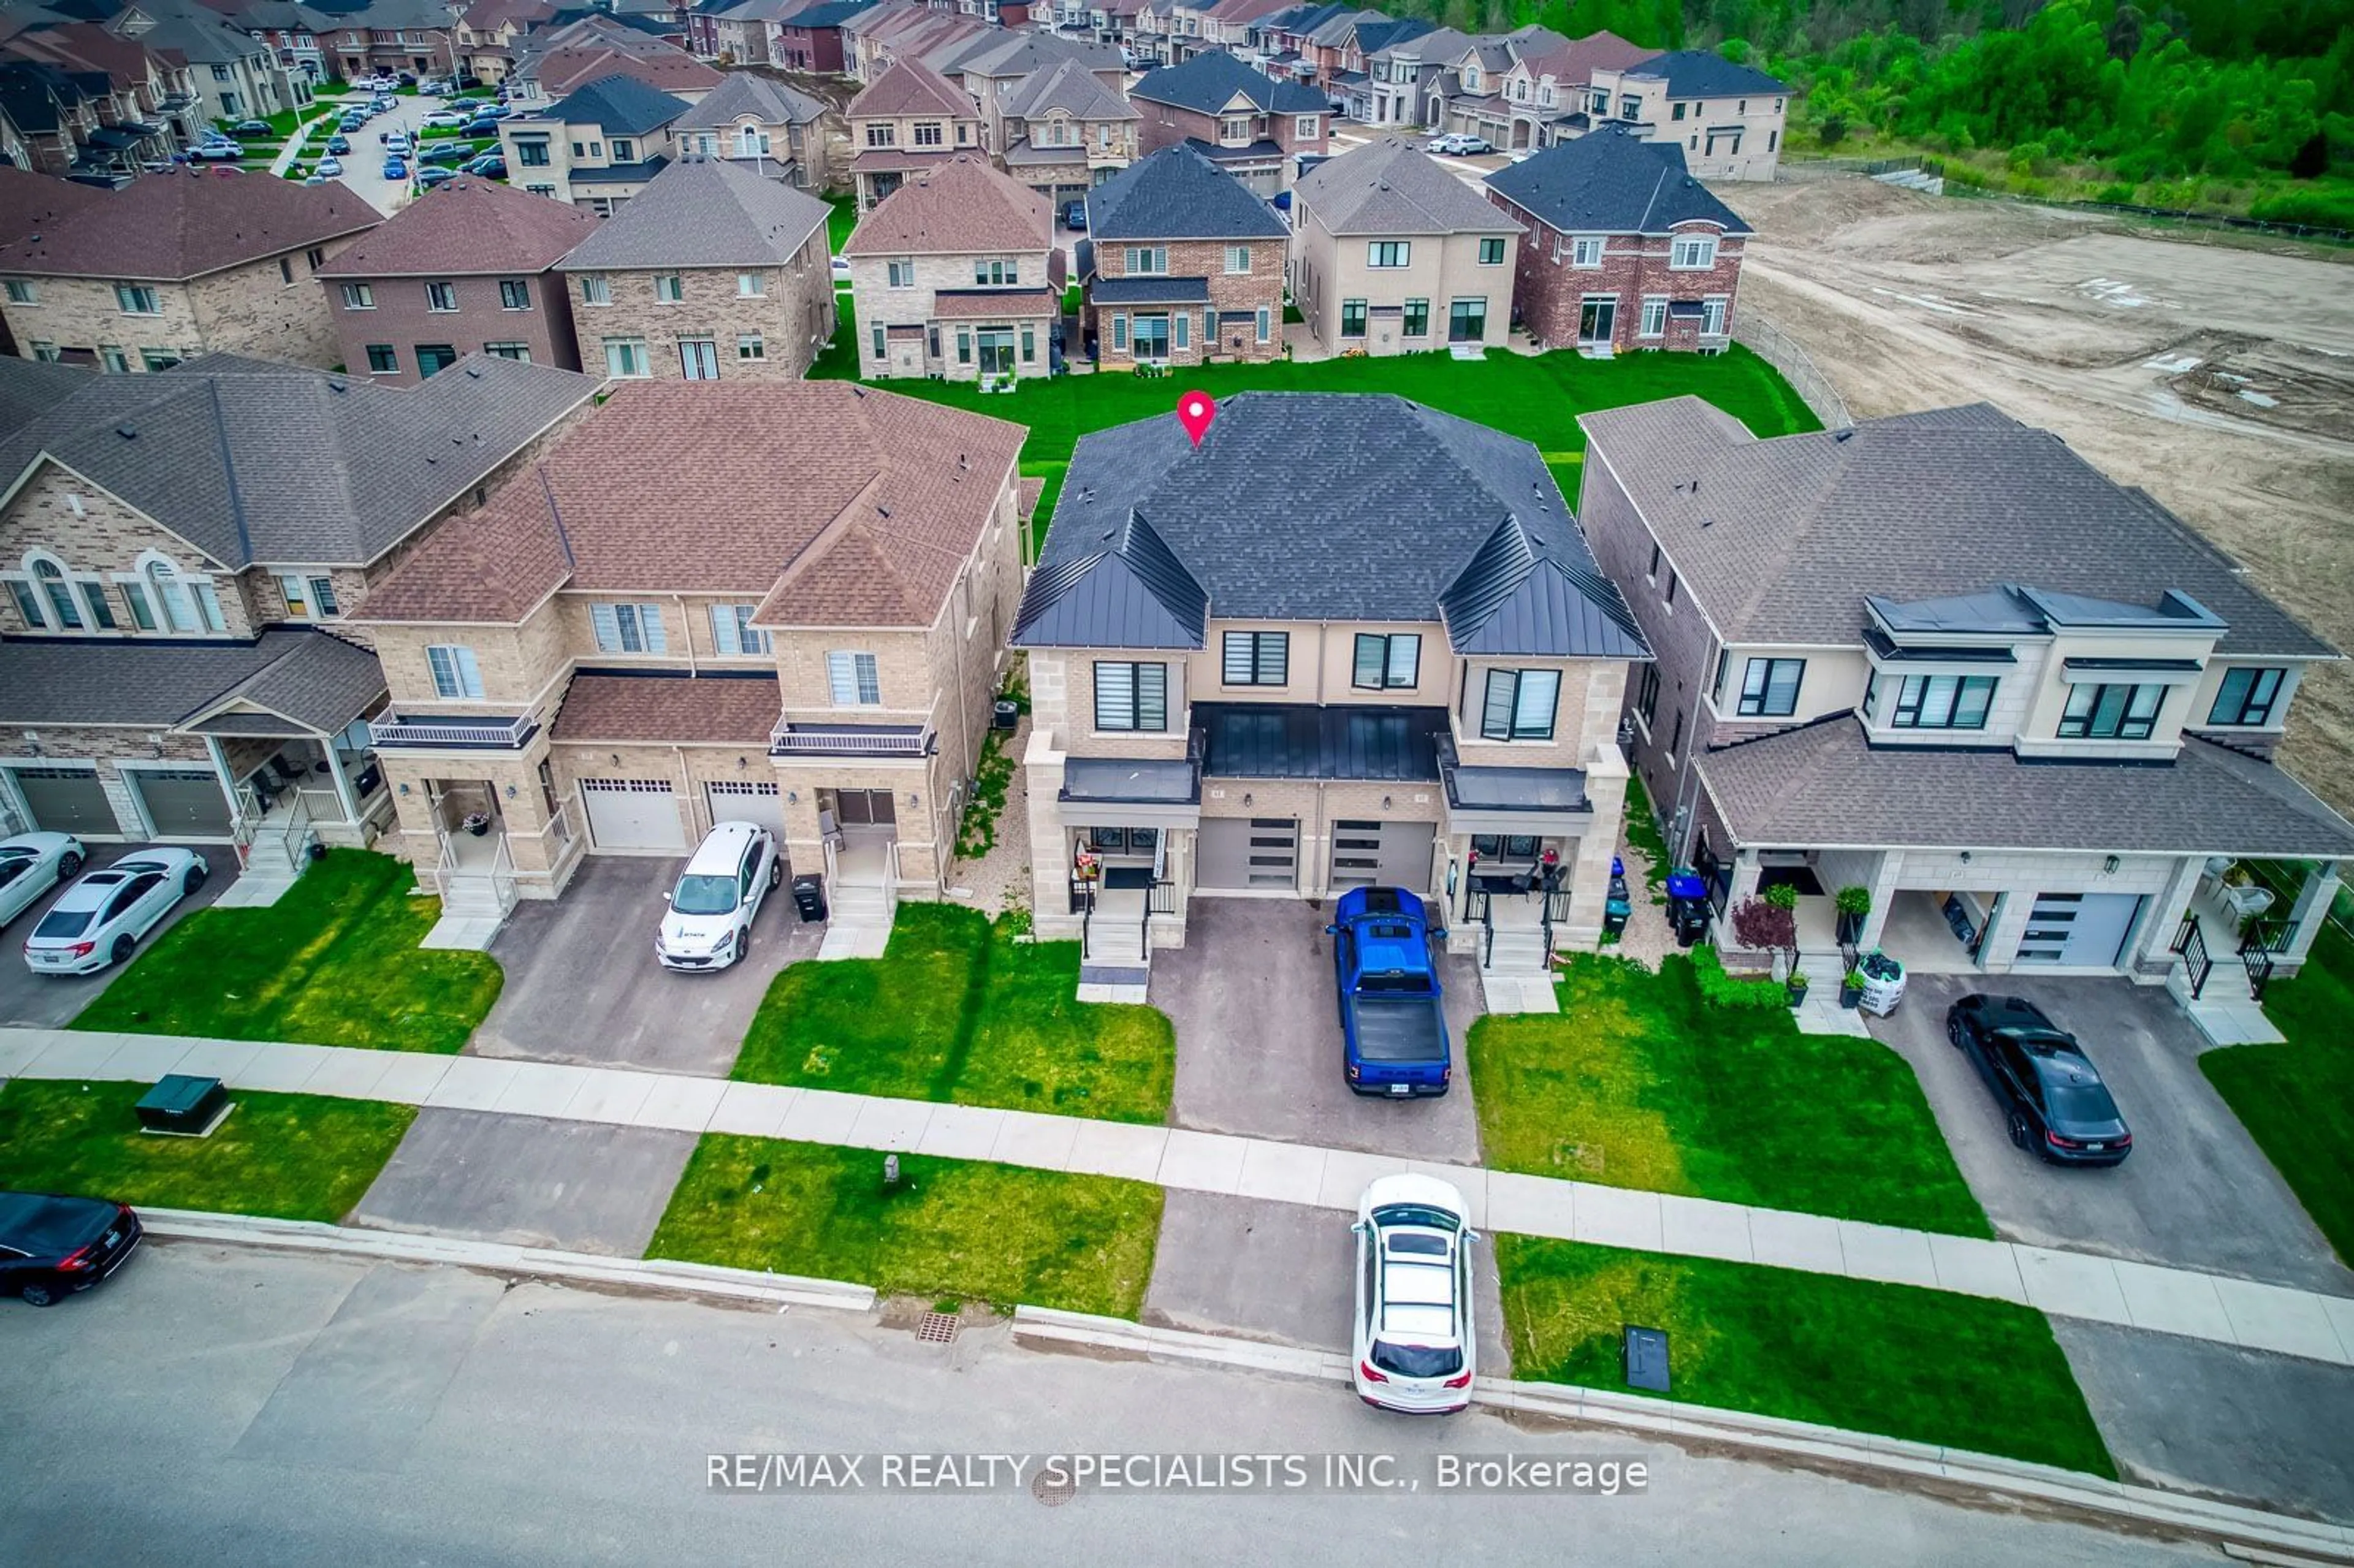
[1487, 952]
[1161, 898]
[2192, 943]
[2258, 962]
[1083, 895]
[1476, 900]
[1554, 911]
[2266, 936]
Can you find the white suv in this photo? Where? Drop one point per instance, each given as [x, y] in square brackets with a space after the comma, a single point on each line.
[1414, 1341]
[710, 921]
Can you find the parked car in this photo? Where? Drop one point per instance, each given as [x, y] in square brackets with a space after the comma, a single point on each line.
[481, 127]
[449, 118]
[446, 153]
[329, 168]
[396, 141]
[1075, 217]
[840, 270]
[339, 145]
[490, 165]
[32, 864]
[709, 924]
[396, 168]
[217, 153]
[98, 920]
[1414, 1347]
[435, 177]
[248, 128]
[1457, 143]
[2050, 1094]
[52, 1245]
[1393, 1016]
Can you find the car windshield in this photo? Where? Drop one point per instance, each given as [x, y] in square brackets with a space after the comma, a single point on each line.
[1422, 1214]
[2075, 1103]
[1417, 1361]
[62, 923]
[704, 894]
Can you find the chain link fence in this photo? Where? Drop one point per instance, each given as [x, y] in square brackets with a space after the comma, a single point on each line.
[1778, 349]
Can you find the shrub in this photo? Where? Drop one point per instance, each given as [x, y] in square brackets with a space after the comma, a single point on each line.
[2316, 209]
[1781, 895]
[1854, 900]
[1833, 131]
[1718, 989]
[2121, 194]
[1758, 923]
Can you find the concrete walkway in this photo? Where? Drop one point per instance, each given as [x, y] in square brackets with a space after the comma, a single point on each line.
[2064, 1284]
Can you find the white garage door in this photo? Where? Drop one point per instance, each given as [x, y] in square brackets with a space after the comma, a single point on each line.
[738, 801]
[2079, 930]
[633, 814]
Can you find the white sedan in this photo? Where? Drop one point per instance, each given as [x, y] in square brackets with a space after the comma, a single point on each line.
[1413, 1341]
[32, 864]
[100, 919]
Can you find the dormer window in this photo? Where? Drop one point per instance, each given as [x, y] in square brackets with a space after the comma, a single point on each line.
[2106, 711]
[2247, 697]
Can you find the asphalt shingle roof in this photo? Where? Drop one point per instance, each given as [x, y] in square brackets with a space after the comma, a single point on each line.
[704, 212]
[169, 227]
[1389, 187]
[310, 676]
[1070, 87]
[1213, 79]
[910, 89]
[1611, 181]
[1702, 73]
[745, 96]
[1179, 194]
[620, 105]
[961, 206]
[466, 225]
[30, 202]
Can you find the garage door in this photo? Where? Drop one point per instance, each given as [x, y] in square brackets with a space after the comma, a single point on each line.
[633, 814]
[1392, 855]
[736, 800]
[1248, 851]
[182, 802]
[67, 801]
[2079, 930]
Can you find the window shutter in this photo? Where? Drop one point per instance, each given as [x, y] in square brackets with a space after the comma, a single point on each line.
[1533, 713]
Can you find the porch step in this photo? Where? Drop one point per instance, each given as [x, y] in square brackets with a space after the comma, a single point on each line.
[859, 903]
[1117, 947]
[1514, 951]
[473, 899]
[271, 856]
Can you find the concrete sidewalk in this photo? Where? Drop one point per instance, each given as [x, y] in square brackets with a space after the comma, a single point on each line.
[2064, 1284]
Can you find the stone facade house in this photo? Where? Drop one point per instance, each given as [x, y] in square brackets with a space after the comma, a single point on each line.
[753, 119]
[468, 267]
[181, 264]
[911, 117]
[1183, 265]
[994, 66]
[1250, 125]
[1543, 97]
[824, 665]
[1625, 249]
[489, 32]
[956, 276]
[597, 148]
[717, 272]
[1727, 117]
[553, 61]
[1392, 254]
[393, 36]
[1066, 132]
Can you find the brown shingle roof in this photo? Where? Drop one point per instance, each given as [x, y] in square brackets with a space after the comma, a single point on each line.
[996, 304]
[910, 89]
[671, 709]
[467, 225]
[30, 202]
[562, 70]
[179, 226]
[958, 207]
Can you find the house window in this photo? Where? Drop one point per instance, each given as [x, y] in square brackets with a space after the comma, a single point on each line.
[28, 604]
[116, 362]
[1353, 318]
[1257, 657]
[964, 347]
[733, 633]
[48, 352]
[1184, 321]
[624, 150]
[625, 359]
[751, 346]
[514, 293]
[2110, 712]
[1148, 260]
[856, 679]
[628, 627]
[1943, 702]
[1586, 250]
[1386, 253]
[1235, 129]
[52, 579]
[1519, 705]
[1769, 688]
[2246, 697]
[308, 596]
[136, 599]
[285, 269]
[1303, 128]
[1029, 344]
[440, 296]
[189, 603]
[1677, 112]
[315, 258]
[1238, 258]
[901, 274]
[1120, 333]
[931, 134]
[159, 358]
[432, 358]
[137, 299]
[531, 154]
[1647, 695]
[1651, 572]
[668, 288]
[881, 136]
[1466, 321]
[518, 352]
[20, 293]
[1131, 696]
[1711, 317]
[1491, 252]
[596, 292]
[1655, 315]
[750, 285]
[1418, 318]
[1692, 253]
[1384, 660]
[455, 674]
[1265, 324]
[995, 271]
[1668, 598]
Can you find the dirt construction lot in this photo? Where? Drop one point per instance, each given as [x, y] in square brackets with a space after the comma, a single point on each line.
[2218, 376]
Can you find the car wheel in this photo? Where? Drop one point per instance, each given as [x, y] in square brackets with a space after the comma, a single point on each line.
[2019, 1128]
[122, 946]
[38, 1296]
[776, 872]
[68, 864]
[197, 875]
[1954, 1032]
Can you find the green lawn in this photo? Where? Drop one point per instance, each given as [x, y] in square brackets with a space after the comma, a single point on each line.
[335, 962]
[2296, 1099]
[957, 1010]
[838, 362]
[843, 219]
[1924, 1365]
[954, 1227]
[297, 1157]
[1643, 832]
[1639, 1083]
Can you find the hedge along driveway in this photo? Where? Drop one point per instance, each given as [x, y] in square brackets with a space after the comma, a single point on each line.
[957, 1010]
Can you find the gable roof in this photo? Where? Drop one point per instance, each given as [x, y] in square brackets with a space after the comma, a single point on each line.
[745, 96]
[999, 53]
[828, 12]
[172, 227]
[703, 212]
[1390, 187]
[1611, 181]
[910, 89]
[956, 206]
[31, 203]
[1179, 194]
[1069, 86]
[1573, 63]
[1703, 73]
[620, 105]
[1213, 79]
[30, 387]
[465, 226]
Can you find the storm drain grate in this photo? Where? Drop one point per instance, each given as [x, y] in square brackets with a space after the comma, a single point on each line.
[1053, 1487]
[937, 1328]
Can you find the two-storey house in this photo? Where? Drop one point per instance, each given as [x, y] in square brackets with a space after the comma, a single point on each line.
[391, 36]
[591, 666]
[1408, 73]
[716, 271]
[1727, 117]
[553, 61]
[598, 147]
[810, 39]
[884, 35]
[1941, 658]
[1339, 51]
[1252, 126]
[1066, 132]
[909, 118]
[489, 32]
[1396, 663]
[1543, 97]
[1393, 254]
[756, 120]
[30, 202]
[956, 276]
[1183, 264]
[1625, 249]
[996, 66]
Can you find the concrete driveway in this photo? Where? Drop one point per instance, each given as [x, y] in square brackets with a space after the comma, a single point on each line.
[583, 986]
[52, 1002]
[1258, 1037]
[2196, 1194]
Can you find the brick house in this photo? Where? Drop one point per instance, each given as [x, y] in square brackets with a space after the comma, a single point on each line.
[753, 119]
[911, 117]
[1183, 265]
[597, 148]
[393, 36]
[810, 39]
[956, 275]
[1727, 117]
[468, 267]
[1543, 97]
[177, 265]
[553, 61]
[822, 664]
[1625, 249]
[715, 271]
[178, 658]
[488, 31]
[1250, 125]
[1067, 132]
[1393, 254]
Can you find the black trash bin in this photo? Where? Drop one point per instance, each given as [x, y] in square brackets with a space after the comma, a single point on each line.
[1687, 908]
[808, 897]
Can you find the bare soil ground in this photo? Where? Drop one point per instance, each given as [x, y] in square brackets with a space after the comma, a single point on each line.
[2220, 378]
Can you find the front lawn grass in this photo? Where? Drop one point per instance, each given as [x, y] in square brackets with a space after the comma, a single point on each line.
[952, 1227]
[957, 1010]
[839, 224]
[1923, 1365]
[335, 962]
[296, 1157]
[2296, 1099]
[1638, 1083]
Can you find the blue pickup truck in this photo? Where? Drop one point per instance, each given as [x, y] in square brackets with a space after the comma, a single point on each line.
[1393, 1017]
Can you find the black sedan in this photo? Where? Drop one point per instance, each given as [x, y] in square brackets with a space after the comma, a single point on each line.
[2047, 1089]
[51, 1246]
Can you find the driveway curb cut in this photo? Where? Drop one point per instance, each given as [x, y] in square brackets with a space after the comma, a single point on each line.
[2223, 1522]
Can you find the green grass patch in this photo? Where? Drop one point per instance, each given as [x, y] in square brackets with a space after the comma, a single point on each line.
[1637, 1083]
[1642, 828]
[1923, 1365]
[952, 1228]
[335, 962]
[957, 1010]
[838, 362]
[1052, 473]
[841, 221]
[296, 1157]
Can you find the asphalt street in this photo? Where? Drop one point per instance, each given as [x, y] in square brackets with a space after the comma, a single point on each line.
[235, 1406]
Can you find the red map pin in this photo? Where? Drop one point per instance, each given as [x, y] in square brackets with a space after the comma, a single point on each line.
[1194, 411]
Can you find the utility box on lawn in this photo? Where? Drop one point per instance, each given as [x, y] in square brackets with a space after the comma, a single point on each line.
[183, 1106]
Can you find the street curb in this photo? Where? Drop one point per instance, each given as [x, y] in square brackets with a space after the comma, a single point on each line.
[538, 1262]
[2226, 1523]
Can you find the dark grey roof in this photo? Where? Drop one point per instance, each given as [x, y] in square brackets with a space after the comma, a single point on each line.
[621, 105]
[1143, 781]
[638, 173]
[1389, 187]
[1149, 291]
[29, 387]
[1213, 79]
[830, 13]
[204, 449]
[1386, 511]
[1611, 181]
[1781, 540]
[703, 212]
[1178, 194]
[1120, 588]
[1513, 788]
[744, 95]
[1303, 740]
[1070, 85]
[1823, 785]
[1702, 73]
[312, 677]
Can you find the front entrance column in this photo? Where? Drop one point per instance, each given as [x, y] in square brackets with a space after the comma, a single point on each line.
[2154, 949]
[1883, 893]
[343, 785]
[2311, 910]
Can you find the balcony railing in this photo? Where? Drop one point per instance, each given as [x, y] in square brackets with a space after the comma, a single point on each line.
[790, 739]
[444, 730]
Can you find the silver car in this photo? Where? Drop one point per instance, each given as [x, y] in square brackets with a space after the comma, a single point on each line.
[32, 864]
[101, 918]
[1414, 1341]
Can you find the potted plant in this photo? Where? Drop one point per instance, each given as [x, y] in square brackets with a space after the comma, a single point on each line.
[476, 822]
[1853, 903]
[1851, 986]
